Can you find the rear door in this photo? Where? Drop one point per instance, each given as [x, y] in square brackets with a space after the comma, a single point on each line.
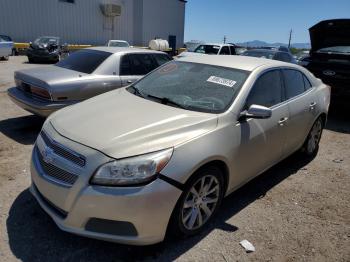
[135, 66]
[302, 107]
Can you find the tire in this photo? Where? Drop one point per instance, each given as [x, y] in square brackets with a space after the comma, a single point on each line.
[6, 58]
[311, 144]
[31, 60]
[194, 209]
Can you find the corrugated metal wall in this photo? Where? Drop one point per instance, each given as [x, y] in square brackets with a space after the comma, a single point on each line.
[84, 23]
[162, 18]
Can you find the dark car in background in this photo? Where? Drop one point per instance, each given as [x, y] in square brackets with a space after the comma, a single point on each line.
[271, 54]
[46, 49]
[329, 57]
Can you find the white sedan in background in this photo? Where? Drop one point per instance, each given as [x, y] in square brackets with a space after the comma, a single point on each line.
[6, 45]
[118, 43]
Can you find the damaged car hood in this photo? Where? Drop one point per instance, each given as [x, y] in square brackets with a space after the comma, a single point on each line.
[330, 33]
[121, 124]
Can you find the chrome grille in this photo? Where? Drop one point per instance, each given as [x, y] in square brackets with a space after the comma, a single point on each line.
[63, 152]
[55, 172]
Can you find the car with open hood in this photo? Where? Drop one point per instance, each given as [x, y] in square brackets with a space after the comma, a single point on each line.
[84, 74]
[159, 156]
[329, 57]
[46, 49]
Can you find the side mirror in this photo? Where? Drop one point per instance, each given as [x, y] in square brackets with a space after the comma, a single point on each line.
[257, 112]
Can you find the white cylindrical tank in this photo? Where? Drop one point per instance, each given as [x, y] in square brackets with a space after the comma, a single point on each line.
[158, 44]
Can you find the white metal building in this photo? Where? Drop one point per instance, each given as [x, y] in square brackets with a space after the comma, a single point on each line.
[84, 22]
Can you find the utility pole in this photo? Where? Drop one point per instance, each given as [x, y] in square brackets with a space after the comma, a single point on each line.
[225, 39]
[290, 37]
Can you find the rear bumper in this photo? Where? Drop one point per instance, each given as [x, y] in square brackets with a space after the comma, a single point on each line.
[33, 105]
[129, 215]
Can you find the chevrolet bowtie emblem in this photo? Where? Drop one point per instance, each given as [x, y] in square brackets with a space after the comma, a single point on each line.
[48, 155]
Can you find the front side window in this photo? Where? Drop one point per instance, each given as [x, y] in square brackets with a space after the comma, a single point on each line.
[192, 86]
[161, 59]
[84, 61]
[225, 50]
[233, 50]
[267, 90]
[293, 82]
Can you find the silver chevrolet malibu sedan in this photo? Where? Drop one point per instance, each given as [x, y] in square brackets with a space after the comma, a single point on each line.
[160, 155]
[84, 74]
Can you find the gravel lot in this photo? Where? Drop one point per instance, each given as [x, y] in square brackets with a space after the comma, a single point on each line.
[297, 211]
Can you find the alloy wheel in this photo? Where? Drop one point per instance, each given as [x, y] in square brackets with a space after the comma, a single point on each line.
[200, 202]
[314, 137]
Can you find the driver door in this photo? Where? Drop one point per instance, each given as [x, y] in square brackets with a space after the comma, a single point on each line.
[262, 141]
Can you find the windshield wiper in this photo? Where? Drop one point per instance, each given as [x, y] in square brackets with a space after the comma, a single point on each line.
[167, 101]
[136, 91]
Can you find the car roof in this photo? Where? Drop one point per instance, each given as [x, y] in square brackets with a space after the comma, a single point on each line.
[246, 63]
[114, 40]
[219, 44]
[114, 50]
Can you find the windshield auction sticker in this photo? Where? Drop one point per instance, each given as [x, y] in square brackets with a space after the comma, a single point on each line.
[221, 81]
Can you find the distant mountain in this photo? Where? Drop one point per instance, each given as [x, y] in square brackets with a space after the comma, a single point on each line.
[258, 43]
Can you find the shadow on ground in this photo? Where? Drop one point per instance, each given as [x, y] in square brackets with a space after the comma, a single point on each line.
[33, 236]
[23, 129]
[339, 119]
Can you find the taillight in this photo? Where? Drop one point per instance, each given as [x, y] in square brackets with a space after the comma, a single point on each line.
[41, 92]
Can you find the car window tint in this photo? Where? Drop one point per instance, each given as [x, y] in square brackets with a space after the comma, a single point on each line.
[232, 49]
[161, 59]
[124, 66]
[307, 83]
[285, 57]
[141, 64]
[267, 90]
[5, 38]
[85, 61]
[294, 83]
[225, 50]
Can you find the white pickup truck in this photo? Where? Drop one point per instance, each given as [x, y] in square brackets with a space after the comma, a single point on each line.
[6, 46]
[211, 49]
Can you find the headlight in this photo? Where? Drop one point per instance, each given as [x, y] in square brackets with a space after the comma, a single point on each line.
[132, 171]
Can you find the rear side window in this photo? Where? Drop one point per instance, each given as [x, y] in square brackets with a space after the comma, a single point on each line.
[307, 83]
[293, 82]
[225, 50]
[84, 61]
[283, 57]
[141, 64]
[267, 90]
[124, 66]
[161, 59]
[233, 50]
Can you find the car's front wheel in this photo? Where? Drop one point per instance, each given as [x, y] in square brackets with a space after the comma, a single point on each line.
[199, 202]
[311, 144]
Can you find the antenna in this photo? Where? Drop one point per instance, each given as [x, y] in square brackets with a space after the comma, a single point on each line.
[225, 39]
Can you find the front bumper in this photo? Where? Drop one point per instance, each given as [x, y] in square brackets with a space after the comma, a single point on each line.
[43, 56]
[129, 215]
[36, 106]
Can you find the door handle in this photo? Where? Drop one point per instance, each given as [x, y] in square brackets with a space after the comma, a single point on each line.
[129, 81]
[312, 105]
[282, 121]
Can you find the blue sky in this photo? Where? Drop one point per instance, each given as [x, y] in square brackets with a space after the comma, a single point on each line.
[266, 20]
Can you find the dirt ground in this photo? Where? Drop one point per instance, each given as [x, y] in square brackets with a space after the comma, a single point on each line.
[297, 211]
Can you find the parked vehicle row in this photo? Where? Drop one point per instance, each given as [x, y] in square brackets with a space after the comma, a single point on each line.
[271, 54]
[159, 153]
[153, 157]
